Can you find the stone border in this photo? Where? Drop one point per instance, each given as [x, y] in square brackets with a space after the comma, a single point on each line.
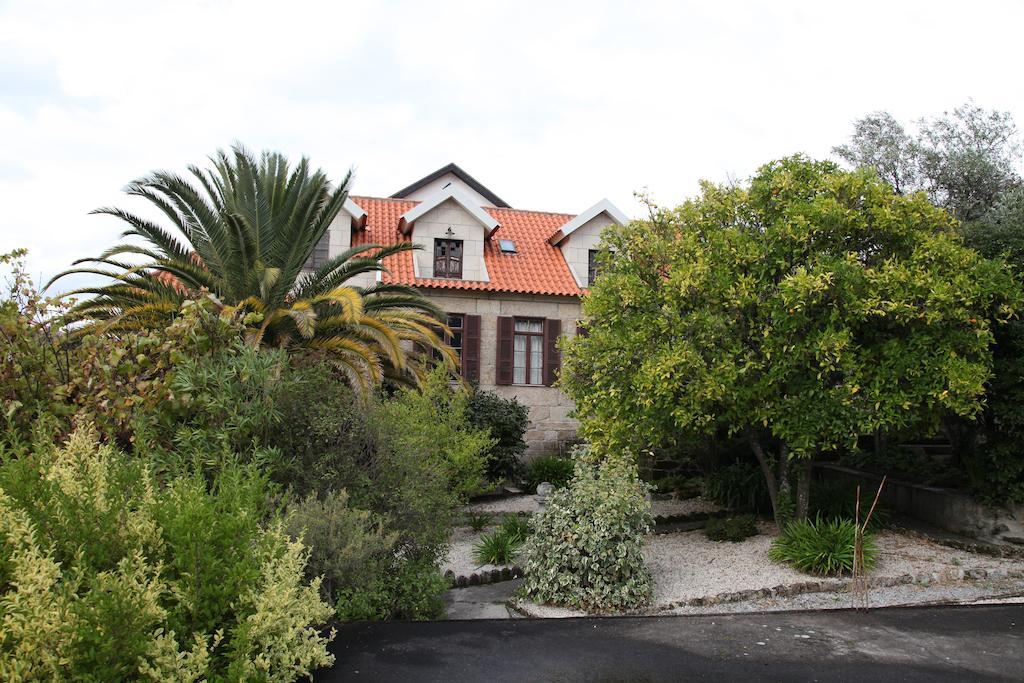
[521, 607]
[980, 547]
[484, 578]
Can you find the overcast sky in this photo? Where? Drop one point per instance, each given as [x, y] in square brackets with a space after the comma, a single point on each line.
[552, 105]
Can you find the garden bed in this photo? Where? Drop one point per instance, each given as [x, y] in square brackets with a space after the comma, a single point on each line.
[691, 571]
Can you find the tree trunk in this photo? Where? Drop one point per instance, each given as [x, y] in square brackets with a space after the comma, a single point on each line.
[766, 469]
[778, 481]
[803, 490]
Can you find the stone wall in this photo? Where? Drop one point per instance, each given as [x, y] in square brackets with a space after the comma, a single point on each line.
[550, 424]
[944, 508]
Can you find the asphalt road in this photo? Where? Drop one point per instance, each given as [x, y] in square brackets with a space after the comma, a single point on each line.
[972, 643]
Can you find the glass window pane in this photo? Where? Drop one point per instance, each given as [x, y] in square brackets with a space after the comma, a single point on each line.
[536, 362]
[519, 360]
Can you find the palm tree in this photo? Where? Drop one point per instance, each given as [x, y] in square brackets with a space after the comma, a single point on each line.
[249, 227]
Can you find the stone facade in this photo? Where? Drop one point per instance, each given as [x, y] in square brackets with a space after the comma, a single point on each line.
[550, 423]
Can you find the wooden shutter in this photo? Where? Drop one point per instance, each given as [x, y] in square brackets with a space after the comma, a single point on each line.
[503, 364]
[552, 357]
[471, 348]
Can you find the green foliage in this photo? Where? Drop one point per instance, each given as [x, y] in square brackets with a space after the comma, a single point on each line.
[796, 313]
[105, 577]
[550, 468]
[408, 461]
[832, 500]
[497, 547]
[822, 546]
[734, 529]
[964, 160]
[250, 226]
[506, 419]
[516, 527]
[478, 521]
[432, 423]
[502, 545]
[586, 550]
[37, 359]
[681, 486]
[409, 589]
[349, 548]
[739, 486]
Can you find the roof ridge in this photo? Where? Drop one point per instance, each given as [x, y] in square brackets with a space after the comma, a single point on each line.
[484, 206]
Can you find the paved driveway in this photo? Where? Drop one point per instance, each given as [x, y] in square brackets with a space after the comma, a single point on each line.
[974, 643]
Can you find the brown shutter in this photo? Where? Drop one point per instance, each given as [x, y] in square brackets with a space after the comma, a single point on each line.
[503, 365]
[552, 357]
[471, 348]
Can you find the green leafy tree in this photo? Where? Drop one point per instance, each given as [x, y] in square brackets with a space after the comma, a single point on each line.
[964, 160]
[795, 313]
[249, 226]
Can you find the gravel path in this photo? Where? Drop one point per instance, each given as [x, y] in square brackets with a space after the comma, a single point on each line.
[529, 504]
[687, 565]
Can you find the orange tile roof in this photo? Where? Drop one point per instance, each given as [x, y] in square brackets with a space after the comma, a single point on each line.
[537, 267]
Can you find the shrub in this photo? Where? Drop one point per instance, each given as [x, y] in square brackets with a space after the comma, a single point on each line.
[502, 545]
[739, 486]
[506, 420]
[105, 577]
[37, 360]
[497, 547]
[349, 548]
[680, 485]
[733, 529]
[838, 500]
[586, 550]
[407, 461]
[552, 469]
[516, 527]
[432, 422]
[822, 546]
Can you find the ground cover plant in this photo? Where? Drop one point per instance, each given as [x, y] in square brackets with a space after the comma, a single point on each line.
[586, 549]
[822, 546]
[735, 529]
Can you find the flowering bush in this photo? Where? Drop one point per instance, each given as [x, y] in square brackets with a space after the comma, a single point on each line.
[586, 549]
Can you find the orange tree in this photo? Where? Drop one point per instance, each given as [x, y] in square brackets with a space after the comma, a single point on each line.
[795, 313]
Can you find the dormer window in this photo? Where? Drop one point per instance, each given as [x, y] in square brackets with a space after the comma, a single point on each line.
[448, 258]
[592, 267]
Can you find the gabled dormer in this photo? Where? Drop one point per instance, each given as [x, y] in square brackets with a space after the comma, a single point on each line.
[451, 176]
[451, 227]
[578, 239]
[338, 237]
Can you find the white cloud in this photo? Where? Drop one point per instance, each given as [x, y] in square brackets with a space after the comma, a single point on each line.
[552, 105]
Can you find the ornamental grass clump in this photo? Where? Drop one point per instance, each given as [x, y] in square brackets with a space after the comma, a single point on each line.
[502, 546]
[586, 549]
[823, 546]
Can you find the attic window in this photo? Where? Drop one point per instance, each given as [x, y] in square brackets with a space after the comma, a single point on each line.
[507, 246]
